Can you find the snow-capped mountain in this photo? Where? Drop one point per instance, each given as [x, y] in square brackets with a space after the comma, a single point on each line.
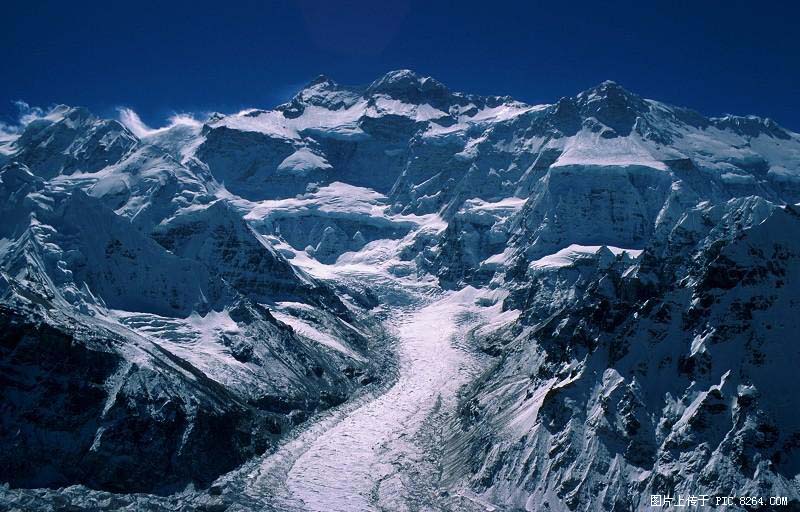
[632, 374]
[169, 298]
[612, 281]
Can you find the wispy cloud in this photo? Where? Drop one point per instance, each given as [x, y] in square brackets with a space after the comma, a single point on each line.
[25, 115]
[134, 123]
[7, 132]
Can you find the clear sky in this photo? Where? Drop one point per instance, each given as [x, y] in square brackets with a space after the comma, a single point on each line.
[165, 57]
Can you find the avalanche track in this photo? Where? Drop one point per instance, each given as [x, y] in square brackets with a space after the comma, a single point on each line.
[378, 452]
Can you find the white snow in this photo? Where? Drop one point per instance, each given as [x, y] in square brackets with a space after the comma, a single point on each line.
[484, 117]
[504, 112]
[134, 123]
[385, 105]
[336, 197]
[343, 123]
[356, 460]
[591, 149]
[508, 204]
[307, 330]
[499, 259]
[303, 161]
[567, 256]
[738, 179]
[195, 339]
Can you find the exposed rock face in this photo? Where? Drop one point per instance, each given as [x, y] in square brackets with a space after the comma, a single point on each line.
[246, 162]
[222, 241]
[78, 409]
[70, 140]
[591, 206]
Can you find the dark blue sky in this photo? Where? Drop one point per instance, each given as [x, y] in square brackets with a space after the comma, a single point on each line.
[714, 56]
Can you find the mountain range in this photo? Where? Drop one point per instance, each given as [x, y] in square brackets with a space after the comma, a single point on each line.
[610, 284]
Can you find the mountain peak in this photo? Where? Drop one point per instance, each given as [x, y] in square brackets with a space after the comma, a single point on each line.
[321, 91]
[66, 112]
[394, 81]
[607, 89]
[320, 80]
[408, 86]
[398, 75]
[612, 105]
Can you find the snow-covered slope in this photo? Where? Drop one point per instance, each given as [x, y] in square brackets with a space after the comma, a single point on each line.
[596, 168]
[667, 374]
[414, 127]
[631, 267]
[136, 250]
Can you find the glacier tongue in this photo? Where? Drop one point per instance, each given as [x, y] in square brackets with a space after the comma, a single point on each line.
[365, 456]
